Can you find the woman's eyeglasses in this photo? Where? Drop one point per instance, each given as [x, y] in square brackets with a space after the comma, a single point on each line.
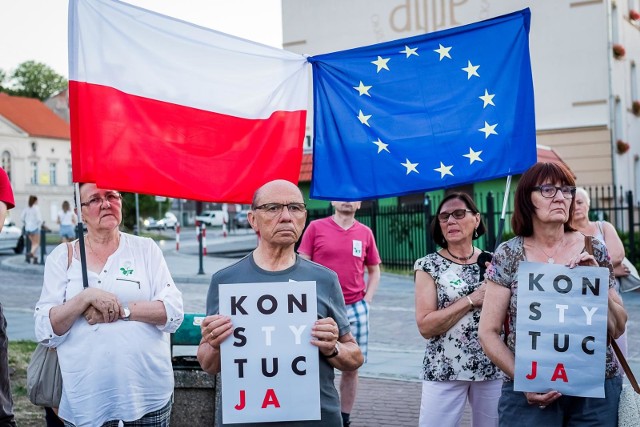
[97, 202]
[457, 214]
[549, 191]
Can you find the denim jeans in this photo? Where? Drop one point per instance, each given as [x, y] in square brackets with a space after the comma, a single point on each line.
[514, 410]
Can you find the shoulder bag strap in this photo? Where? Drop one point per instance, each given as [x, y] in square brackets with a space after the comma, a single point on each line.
[625, 366]
[588, 245]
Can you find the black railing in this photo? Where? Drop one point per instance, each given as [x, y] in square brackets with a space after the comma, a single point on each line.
[403, 233]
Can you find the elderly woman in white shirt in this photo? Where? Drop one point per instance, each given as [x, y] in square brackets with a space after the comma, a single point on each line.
[112, 338]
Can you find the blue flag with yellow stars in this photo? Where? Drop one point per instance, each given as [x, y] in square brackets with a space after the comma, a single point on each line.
[423, 113]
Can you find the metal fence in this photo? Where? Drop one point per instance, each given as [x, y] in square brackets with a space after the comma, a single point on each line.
[403, 234]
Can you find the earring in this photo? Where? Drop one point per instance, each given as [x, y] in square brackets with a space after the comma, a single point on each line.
[475, 233]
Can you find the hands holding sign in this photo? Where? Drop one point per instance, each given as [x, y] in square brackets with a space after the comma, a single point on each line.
[325, 334]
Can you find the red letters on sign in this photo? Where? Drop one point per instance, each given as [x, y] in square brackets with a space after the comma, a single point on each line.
[560, 373]
[534, 369]
[243, 401]
[270, 399]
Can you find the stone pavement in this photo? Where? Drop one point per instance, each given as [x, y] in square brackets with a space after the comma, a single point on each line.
[389, 391]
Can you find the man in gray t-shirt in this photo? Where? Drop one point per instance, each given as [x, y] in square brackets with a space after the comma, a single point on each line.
[278, 215]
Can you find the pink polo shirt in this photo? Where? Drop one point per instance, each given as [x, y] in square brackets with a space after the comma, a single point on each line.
[346, 252]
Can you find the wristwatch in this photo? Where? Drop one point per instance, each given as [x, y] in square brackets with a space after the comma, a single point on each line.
[127, 313]
[336, 351]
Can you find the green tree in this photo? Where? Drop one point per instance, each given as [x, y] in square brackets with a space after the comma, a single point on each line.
[3, 75]
[147, 205]
[35, 80]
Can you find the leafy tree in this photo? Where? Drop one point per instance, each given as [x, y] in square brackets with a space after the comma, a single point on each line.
[35, 80]
[147, 205]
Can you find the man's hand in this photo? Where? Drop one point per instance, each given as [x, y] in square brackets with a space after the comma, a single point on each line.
[215, 329]
[325, 333]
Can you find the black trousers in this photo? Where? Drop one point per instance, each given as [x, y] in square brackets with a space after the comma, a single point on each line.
[6, 402]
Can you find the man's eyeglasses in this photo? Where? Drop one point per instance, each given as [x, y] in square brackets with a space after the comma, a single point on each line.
[457, 214]
[549, 191]
[275, 209]
[97, 202]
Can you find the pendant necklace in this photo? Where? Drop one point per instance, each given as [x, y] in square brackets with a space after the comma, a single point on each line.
[464, 258]
[550, 259]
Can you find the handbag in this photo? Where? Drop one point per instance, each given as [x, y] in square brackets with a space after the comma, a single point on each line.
[629, 405]
[632, 281]
[44, 379]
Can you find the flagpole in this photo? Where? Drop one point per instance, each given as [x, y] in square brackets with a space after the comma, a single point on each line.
[503, 214]
[80, 235]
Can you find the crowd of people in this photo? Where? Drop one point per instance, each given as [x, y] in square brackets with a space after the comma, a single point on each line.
[120, 313]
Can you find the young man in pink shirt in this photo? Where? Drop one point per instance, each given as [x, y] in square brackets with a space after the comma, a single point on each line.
[347, 246]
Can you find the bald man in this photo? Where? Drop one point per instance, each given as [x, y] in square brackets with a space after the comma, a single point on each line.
[278, 215]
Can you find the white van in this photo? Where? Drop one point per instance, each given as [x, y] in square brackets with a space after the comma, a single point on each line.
[213, 217]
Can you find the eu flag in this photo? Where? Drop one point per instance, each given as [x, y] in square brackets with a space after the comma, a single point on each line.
[423, 113]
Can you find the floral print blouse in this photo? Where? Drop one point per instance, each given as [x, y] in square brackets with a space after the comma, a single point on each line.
[504, 271]
[456, 354]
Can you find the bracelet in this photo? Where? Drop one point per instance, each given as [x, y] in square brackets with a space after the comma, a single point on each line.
[336, 351]
[470, 302]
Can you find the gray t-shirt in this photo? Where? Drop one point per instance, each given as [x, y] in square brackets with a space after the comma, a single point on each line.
[330, 304]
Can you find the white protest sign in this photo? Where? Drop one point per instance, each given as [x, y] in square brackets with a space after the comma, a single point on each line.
[561, 329]
[269, 369]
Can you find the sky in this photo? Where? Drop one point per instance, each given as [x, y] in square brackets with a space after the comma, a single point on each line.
[37, 29]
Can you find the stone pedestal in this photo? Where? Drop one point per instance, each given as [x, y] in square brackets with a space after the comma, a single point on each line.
[194, 399]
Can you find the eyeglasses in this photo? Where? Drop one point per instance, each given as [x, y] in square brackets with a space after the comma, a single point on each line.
[457, 214]
[97, 202]
[549, 191]
[275, 209]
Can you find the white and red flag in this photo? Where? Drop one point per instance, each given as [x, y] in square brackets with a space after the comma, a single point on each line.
[162, 106]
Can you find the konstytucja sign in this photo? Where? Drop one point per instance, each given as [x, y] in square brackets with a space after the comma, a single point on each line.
[269, 369]
[561, 329]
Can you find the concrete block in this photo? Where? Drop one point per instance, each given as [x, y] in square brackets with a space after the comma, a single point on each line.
[193, 399]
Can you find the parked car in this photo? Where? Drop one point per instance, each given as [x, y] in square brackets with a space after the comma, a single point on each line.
[11, 237]
[241, 220]
[213, 218]
[169, 221]
[151, 224]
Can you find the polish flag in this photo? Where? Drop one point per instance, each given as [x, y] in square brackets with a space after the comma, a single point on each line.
[161, 106]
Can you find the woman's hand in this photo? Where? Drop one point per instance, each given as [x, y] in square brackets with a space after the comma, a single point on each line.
[542, 400]
[215, 329]
[106, 305]
[584, 259]
[477, 296]
[621, 270]
[93, 316]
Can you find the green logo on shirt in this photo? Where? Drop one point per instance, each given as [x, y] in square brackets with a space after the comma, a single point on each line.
[126, 271]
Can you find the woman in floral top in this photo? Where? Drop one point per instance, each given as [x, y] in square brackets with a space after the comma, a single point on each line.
[449, 298]
[544, 204]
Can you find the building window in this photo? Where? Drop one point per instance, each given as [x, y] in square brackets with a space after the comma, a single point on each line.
[634, 82]
[69, 174]
[6, 163]
[615, 28]
[53, 179]
[34, 172]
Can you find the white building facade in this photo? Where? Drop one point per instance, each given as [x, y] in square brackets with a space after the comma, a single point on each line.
[38, 165]
[584, 93]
